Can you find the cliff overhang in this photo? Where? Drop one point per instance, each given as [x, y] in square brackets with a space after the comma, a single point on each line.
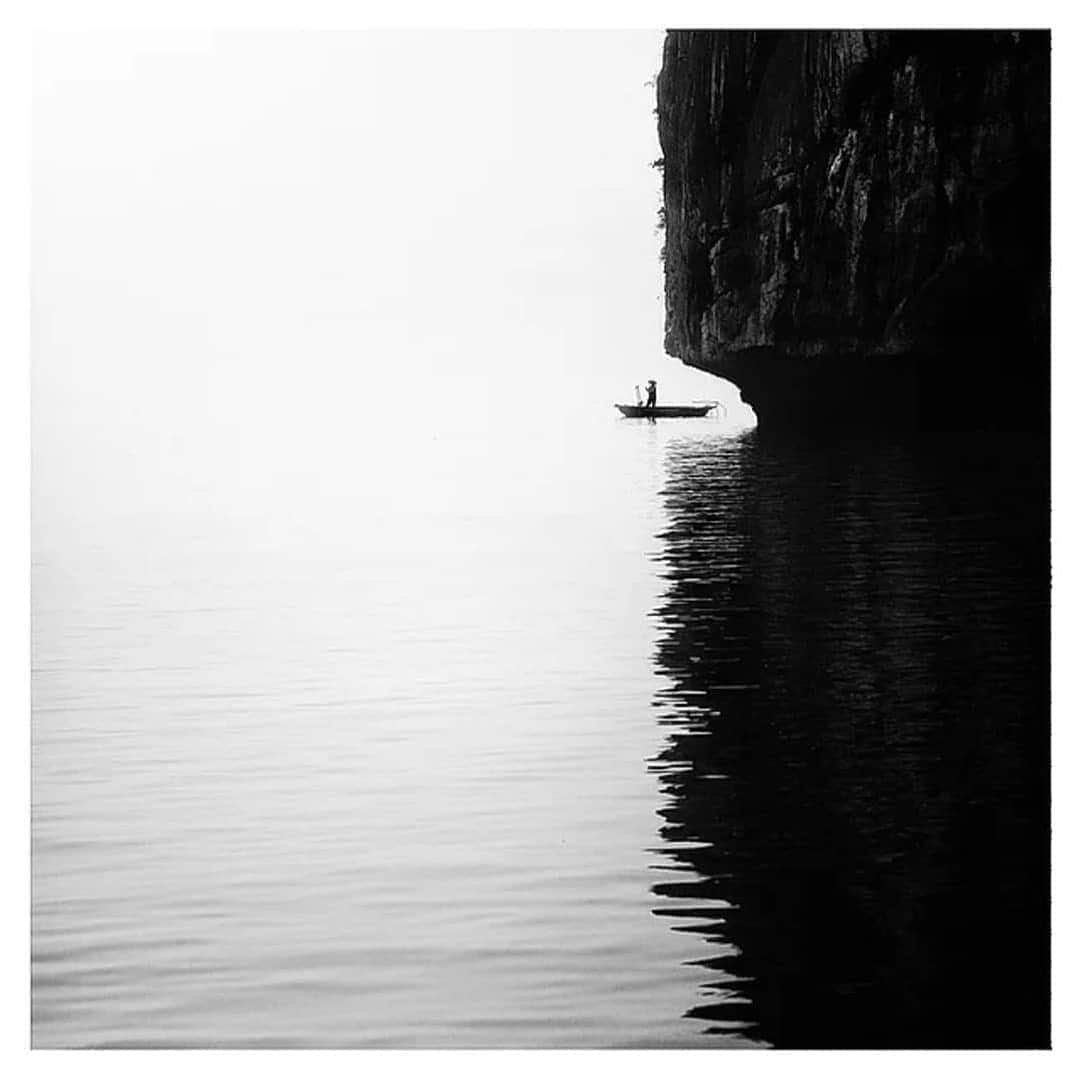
[857, 222]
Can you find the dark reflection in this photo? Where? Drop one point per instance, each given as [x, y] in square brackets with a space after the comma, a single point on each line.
[856, 643]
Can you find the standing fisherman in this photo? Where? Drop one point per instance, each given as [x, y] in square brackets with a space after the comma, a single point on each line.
[652, 395]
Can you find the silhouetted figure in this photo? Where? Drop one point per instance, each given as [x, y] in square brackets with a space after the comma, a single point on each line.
[652, 395]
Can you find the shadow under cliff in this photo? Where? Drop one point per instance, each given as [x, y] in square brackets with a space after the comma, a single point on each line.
[855, 640]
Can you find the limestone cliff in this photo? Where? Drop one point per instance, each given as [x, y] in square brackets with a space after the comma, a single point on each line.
[857, 222]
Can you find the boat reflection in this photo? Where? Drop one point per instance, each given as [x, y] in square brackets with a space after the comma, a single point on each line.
[854, 642]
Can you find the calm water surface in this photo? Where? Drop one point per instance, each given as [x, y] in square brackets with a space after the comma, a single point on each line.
[621, 735]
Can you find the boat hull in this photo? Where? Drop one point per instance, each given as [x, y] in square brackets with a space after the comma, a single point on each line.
[679, 411]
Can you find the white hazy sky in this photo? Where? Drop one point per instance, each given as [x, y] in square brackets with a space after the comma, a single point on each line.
[246, 243]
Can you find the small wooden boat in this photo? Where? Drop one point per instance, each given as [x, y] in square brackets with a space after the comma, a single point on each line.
[669, 411]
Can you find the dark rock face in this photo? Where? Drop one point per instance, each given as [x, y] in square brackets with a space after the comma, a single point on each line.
[858, 221]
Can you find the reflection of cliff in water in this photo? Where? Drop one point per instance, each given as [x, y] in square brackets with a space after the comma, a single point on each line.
[856, 644]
